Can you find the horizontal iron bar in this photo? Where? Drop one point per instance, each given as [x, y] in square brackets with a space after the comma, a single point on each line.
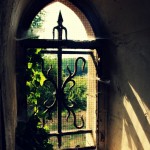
[45, 43]
[70, 132]
[65, 52]
[81, 148]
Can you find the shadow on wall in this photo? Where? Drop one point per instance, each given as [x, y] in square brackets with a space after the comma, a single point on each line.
[136, 121]
[129, 121]
[129, 102]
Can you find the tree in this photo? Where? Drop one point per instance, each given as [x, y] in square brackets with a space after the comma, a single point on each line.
[36, 24]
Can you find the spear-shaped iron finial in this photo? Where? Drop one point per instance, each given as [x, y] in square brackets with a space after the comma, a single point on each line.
[60, 18]
[60, 28]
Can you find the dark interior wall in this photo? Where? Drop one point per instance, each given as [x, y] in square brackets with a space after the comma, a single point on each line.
[7, 74]
[129, 116]
[128, 24]
[10, 11]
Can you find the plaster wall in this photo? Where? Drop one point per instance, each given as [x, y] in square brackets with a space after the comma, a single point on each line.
[128, 108]
[128, 25]
[10, 12]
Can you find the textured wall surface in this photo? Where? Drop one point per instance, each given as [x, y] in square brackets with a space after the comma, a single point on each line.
[128, 25]
[10, 11]
[129, 103]
[7, 75]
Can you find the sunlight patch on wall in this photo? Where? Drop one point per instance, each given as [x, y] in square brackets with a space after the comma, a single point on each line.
[127, 140]
[136, 124]
[141, 103]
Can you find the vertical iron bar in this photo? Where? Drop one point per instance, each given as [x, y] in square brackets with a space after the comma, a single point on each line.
[59, 94]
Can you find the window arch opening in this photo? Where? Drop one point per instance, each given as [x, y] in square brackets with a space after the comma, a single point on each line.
[60, 91]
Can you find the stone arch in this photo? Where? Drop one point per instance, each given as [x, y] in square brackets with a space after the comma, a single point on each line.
[130, 33]
[83, 9]
[87, 14]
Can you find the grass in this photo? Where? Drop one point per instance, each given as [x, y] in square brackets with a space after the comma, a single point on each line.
[68, 141]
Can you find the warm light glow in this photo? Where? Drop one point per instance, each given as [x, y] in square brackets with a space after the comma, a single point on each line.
[136, 124]
[141, 103]
[76, 30]
[125, 137]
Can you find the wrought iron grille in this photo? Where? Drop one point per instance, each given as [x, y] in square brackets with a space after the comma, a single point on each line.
[60, 103]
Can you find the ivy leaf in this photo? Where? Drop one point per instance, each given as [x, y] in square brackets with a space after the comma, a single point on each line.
[42, 79]
[38, 50]
[29, 65]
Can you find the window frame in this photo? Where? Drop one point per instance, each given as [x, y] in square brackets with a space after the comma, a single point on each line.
[101, 46]
[67, 44]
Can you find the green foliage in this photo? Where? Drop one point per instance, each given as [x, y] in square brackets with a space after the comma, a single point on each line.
[39, 91]
[42, 92]
[36, 24]
[51, 62]
[30, 136]
[78, 94]
[38, 20]
[70, 63]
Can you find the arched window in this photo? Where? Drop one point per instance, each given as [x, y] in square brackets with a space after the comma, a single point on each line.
[62, 59]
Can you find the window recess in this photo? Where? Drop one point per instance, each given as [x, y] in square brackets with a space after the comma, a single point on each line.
[72, 121]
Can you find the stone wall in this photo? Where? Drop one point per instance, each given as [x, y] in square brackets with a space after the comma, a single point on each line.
[128, 25]
[7, 75]
[10, 12]
[128, 110]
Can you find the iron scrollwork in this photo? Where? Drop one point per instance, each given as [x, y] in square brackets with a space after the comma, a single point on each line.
[60, 99]
[70, 79]
[47, 74]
